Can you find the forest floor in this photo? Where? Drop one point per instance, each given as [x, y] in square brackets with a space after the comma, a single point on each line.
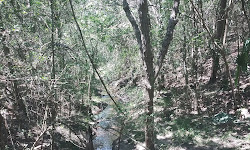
[200, 133]
[199, 116]
[213, 128]
[192, 132]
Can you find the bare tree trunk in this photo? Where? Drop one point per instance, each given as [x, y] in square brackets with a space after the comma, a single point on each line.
[91, 60]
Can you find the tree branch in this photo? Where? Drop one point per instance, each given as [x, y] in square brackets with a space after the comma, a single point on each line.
[168, 37]
[147, 54]
[132, 20]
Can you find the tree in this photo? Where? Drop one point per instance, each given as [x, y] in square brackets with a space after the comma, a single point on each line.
[220, 28]
[142, 32]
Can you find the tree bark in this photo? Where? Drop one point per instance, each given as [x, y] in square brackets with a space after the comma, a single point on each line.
[184, 56]
[215, 67]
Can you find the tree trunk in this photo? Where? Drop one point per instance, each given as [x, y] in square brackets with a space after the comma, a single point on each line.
[89, 111]
[53, 76]
[147, 58]
[220, 49]
[149, 130]
[220, 29]
[3, 133]
[215, 67]
[184, 56]
[142, 33]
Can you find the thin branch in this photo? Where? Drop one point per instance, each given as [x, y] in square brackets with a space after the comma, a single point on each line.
[52, 40]
[206, 27]
[158, 16]
[91, 60]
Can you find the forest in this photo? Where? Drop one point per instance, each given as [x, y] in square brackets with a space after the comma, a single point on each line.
[124, 74]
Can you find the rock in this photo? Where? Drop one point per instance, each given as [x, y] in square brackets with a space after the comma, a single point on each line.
[243, 114]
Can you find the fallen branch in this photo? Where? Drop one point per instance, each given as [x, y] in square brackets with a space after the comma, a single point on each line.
[38, 138]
